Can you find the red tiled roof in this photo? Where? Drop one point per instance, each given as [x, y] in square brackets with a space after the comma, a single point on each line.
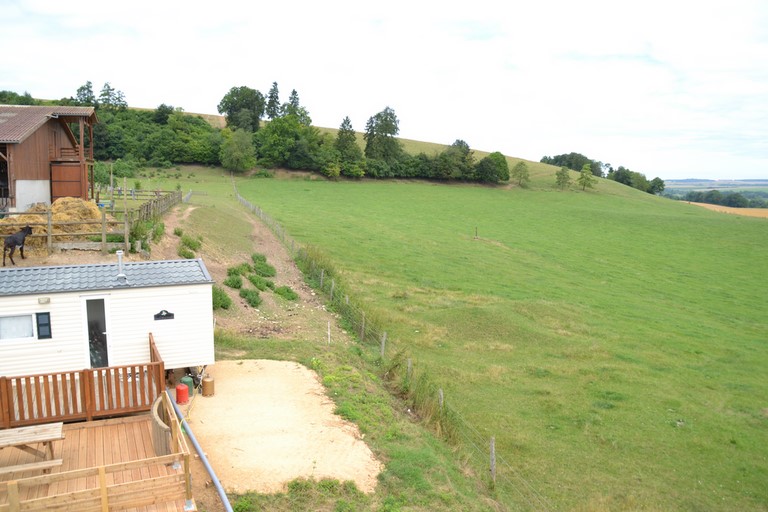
[17, 122]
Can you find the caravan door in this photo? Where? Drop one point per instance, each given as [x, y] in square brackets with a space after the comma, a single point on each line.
[96, 319]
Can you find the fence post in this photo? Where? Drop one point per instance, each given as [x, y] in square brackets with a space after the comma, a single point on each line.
[103, 488]
[440, 399]
[493, 460]
[13, 496]
[383, 343]
[322, 276]
[362, 327]
[103, 231]
[187, 480]
[5, 403]
[333, 285]
[126, 232]
[88, 393]
[50, 230]
[409, 369]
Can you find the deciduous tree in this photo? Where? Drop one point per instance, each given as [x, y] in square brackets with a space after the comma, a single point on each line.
[162, 113]
[586, 178]
[520, 173]
[380, 132]
[237, 153]
[656, 186]
[243, 108]
[492, 169]
[563, 178]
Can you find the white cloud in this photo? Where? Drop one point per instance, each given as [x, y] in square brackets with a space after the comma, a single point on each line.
[675, 89]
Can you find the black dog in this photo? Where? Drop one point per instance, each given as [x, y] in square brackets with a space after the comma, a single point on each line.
[14, 241]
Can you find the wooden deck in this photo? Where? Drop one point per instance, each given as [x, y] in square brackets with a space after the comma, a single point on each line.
[110, 448]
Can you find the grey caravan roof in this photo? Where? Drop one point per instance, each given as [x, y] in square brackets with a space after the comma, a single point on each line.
[101, 276]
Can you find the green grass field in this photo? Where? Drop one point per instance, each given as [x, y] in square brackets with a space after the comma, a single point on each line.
[611, 341]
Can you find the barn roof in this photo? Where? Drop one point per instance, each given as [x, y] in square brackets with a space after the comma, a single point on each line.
[17, 122]
[101, 276]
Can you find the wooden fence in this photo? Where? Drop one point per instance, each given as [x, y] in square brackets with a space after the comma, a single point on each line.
[157, 205]
[81, 395]
[134, 484]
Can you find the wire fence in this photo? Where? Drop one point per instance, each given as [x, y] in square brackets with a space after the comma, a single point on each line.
[425, 396]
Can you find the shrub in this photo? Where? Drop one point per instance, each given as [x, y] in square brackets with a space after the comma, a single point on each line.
[287, 293]
[251, 296]
[264, 269]
[258, 258]
[192, 243]
[186, 253]
[140, 230]
[178, 231]
[239, 270]
[234, 281]
[260, 282]
[158, 230]
[220, 298]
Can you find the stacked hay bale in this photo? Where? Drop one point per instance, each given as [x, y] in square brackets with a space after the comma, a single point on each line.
[64, 209]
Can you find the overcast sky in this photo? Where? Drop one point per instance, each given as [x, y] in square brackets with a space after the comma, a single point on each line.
[672, 88]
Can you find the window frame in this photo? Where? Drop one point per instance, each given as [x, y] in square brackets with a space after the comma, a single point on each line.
[46, 315]
[31, 322]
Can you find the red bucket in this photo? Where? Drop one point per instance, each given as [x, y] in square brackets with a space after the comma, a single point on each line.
[182, 394]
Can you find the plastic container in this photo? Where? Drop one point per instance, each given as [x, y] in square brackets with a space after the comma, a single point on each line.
[182, 394]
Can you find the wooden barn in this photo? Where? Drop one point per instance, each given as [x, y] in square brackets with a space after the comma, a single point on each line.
[41, 154]
[68, 318]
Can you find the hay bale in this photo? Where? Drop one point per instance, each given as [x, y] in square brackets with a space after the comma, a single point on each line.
[64, 209]
[10, 225]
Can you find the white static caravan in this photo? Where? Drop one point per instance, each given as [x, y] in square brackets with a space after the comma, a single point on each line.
[68, 318]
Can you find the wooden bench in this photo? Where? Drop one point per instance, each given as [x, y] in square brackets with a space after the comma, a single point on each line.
[45, 465]
[26, 439]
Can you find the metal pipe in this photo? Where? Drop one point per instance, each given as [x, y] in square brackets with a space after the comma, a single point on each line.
[203, 458]
[120, 273]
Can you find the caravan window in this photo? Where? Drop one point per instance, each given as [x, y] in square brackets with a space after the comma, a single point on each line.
[12, 327]
[43, 326]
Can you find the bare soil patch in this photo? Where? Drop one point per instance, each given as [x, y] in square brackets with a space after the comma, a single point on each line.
[746, 212]
[270, 422]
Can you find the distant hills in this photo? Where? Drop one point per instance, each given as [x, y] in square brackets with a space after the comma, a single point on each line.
[697, 183]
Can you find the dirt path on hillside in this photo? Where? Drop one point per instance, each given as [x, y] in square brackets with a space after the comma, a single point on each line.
[269, 422]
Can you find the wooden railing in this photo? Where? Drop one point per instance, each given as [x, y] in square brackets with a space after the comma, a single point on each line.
[81, 395]
[70, 154]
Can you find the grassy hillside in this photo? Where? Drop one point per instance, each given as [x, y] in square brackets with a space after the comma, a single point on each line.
[611, 341]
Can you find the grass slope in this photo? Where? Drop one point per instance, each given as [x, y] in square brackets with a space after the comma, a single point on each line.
[421, 474]
[611, 341]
